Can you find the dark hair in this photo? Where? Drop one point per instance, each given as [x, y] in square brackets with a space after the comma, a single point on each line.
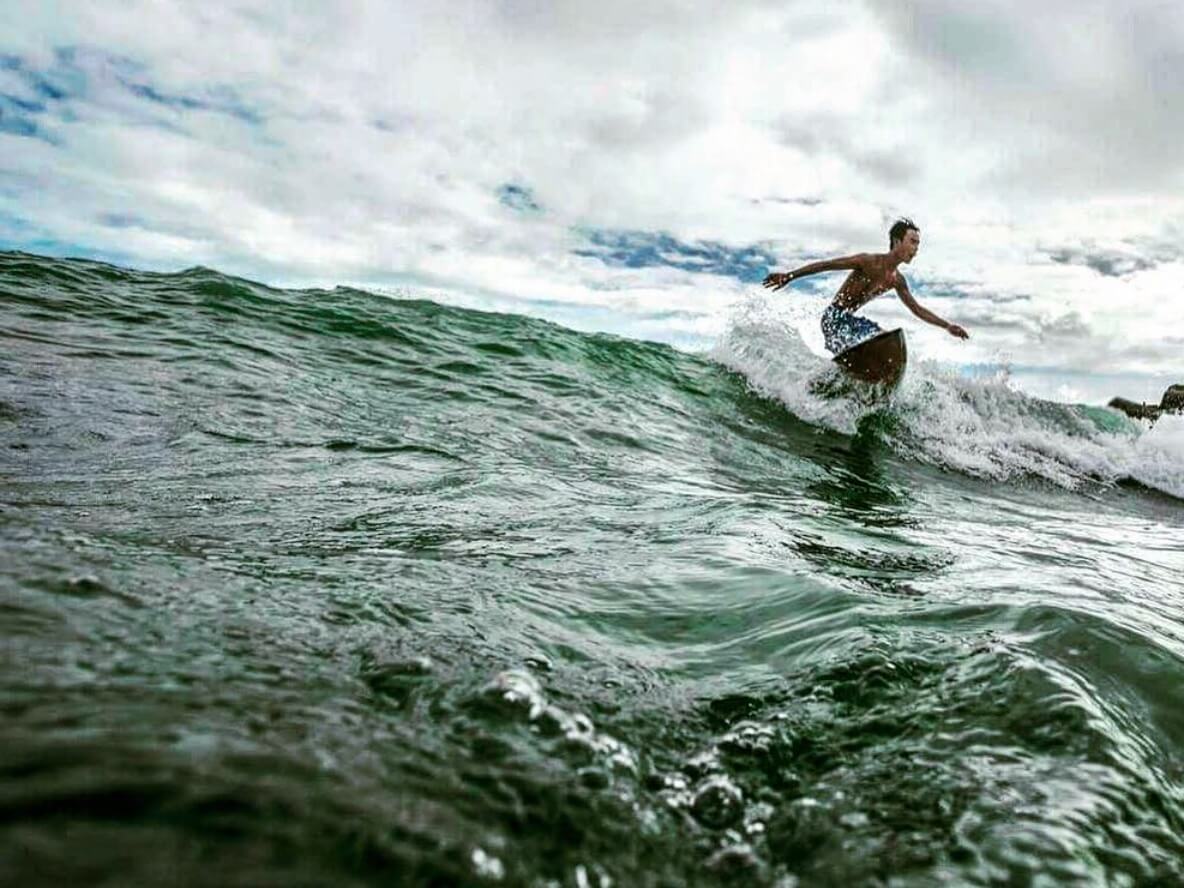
[899, 229]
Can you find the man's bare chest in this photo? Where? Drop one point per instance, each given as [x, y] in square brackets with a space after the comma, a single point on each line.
[870, 283]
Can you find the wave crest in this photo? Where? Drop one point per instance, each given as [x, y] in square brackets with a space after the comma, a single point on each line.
[979, 426]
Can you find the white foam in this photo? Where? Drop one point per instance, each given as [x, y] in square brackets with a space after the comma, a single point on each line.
[1159, 456]
[762, 343]
[981, 426]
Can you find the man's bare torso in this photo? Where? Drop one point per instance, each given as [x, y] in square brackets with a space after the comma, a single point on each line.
[872, 274]
[875, 276]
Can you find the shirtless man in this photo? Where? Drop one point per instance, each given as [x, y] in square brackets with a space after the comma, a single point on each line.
[871, 274]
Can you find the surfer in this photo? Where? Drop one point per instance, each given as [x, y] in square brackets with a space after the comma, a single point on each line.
[871, 274]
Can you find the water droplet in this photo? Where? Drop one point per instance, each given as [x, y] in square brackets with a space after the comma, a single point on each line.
[594, 778]
[487, 866]
[718, 802]
[736, 862]
[517, 690]
[854, 819]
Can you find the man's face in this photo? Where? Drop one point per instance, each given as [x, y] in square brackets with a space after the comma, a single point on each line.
[908, 245]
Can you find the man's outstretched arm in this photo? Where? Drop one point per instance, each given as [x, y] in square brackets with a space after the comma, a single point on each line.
[779, 279]
[902, 288]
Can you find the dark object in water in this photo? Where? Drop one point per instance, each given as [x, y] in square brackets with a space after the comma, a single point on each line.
[880, 360]
[1133, 410]
[1172, 402]
[1173, 399]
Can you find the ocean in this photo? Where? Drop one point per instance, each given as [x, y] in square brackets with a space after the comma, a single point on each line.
[323, 587]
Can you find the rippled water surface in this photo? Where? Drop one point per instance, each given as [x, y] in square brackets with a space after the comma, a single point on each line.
[321, 587]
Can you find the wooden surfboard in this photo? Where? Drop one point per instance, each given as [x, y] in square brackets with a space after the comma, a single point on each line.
[880, 360]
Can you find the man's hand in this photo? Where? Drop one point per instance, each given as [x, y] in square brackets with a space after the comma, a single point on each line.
[955, 330]
[778, 279]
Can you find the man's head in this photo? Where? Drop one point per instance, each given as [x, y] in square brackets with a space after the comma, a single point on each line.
[904, 239]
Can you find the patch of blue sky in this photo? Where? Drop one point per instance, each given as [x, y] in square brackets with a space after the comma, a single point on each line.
[60, 249]
[216, 100]
[655, 249]
[62, 79]
[15, 123]
[26, 97]
[22, 118]
[144, 91]
[24, 105]
[518, 197]
[73, 72]
[19, 234]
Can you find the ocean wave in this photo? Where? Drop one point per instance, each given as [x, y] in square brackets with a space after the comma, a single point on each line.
[983, 427]
[327, 586]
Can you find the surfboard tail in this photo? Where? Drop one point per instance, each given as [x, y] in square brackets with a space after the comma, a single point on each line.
[880, 360]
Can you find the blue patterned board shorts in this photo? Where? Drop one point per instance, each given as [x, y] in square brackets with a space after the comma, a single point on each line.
[841, 329]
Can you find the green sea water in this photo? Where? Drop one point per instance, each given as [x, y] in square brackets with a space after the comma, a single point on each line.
[329, 588]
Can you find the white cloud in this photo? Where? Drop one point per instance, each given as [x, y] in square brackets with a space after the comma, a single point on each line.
[367, 143]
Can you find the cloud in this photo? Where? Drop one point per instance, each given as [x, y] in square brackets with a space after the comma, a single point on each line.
[839, 137]
[1075, 99]
[621, 162]
[1108, 262]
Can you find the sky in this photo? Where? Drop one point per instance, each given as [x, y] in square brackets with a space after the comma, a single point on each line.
[634, 168]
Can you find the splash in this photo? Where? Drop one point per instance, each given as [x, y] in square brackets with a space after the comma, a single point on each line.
[982, 427]
[762, 343]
